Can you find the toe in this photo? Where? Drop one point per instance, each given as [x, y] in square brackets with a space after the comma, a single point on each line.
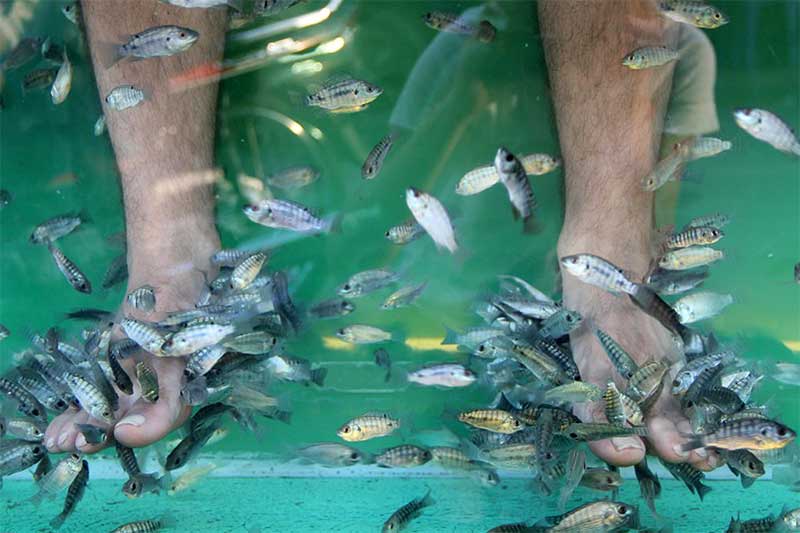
[666, 440]
[620, 451]
[66, 438]
[54, 429]
[147, 423]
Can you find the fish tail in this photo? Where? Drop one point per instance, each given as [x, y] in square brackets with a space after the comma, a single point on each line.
[702, 490]
[318, 376]
[56, 522]
[450, 336]
[486, 32]
[284, 416]
[37, 498]
[388, 376]
[167, 521]
[334, 224]
[426, 500]
[108, 54]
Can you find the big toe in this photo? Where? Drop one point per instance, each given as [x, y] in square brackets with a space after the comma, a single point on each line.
[619, 451]
[146, 422]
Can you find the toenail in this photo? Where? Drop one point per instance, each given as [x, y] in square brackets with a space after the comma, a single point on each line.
[132, 420]
[62, 440]
[701, 453]
[679, 451]
[51, 443]
[715, 460]
[80, 442]
[627, 443]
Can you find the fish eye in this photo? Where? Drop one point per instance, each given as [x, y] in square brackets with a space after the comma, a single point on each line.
[573, 435]
[187, 373]
[781, 432]
[183, 35]
[387, 234]
[391, 525]
[37, 450]
[345, 305]
[516, 423]
[346, 429]
[717, 16]
[751, 465]
[622, 509]
[369, 89]
[354, 456]
[631, 57]
[168, 38]
[765, 432]
[609, 480]
[568, 318]
[347, 285]
[340, 332]
[60, 404]
[35, 411]
[355, 92]
[509, 157]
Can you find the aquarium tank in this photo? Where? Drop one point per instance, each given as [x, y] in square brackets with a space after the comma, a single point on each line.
[297, 265]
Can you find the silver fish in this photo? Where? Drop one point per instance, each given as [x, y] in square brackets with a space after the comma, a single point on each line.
[143, 298]
[330, 454]
[768, 127]
[443, 375]
[56, 227]
[71, 272]
[283, 214]
[363, 334]
[404, 296]
[513, 177]
[693, 12]
[597, 271]
[125, 97]
[366, 282]
[63, 82]
[333, 308]
[100, 126]
[404, 233]
[158, 41]
[344, 96]
[432, 216]
[58, 478]
[293, 178]
[484, 31]
[72, 12]
[206, 4]
[374, 162]
[701, 306]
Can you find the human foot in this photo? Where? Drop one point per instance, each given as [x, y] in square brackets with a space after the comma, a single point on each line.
[140, 423]
[643, 338]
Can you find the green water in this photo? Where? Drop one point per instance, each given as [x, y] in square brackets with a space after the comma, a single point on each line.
[451, 102]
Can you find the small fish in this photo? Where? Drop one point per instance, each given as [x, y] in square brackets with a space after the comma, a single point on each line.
[797, 272]
[26, 50]
[206, 4]
[514, 178]
[432, 216]
[368, 426]
[750, 433]
[74, 494]
[383, 360]
[99, 126]
[649, 485]
[696, 13]
[295, 369]
[575, 392]
[92, 434]
[471, 338]
[190, 477]
[273, 7]
[691, 257]
[61, 476]
[789, 520]
[613, 405]
[293, 178]
[53, 229]
[597, 271]
[345, 95]
[195, 337]
[443, 375]
[72, 12]
[363, 334]
[188, 448]
[407, 513]
[17, 455]
[403, 456]
[124, 97]
[142, 298]
[482, 178]
[283, 214]
[599, 516]
[495, 420]
[366, 282]
[691, 477]
[332, 308]
[4, 332]
[717, 220]
[560, 324]
[645, 385]
[590, 432]
[144, 334]
[374, 162]
[253, 343]
[90, 398]
[672, 282]
[159, 41]
[768, 127]
[38, 79]
[744, 464]
[140, 483]
[668, 169]
[117, 272]
[454, 23]
[404, 233]
[148, 381]
[404, 296]
[700, 235]
[26, 402]
[649, 57]
[63, 82]
[701, 306]
[25, 429]
[707, 147]
[145, 526]
[601, 479]
[247, 270]
[5, 198]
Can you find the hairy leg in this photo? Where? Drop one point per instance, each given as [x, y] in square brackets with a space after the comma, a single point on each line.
[609, 124]
[164, 149]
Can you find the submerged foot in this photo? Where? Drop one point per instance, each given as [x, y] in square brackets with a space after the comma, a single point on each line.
[139, 422]
[644, 339]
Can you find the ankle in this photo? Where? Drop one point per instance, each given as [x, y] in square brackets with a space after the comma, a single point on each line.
[627, 247]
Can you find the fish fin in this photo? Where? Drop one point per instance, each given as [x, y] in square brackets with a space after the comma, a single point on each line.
[58, 521]
[388, 376]
[702, 490]
[167, 521]
[283, 416]
[427, 500]
[108, 54]
[450, 336]
[334, 224]
[746, 480]
[399, 337]
[531, 226]
[318, 376]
